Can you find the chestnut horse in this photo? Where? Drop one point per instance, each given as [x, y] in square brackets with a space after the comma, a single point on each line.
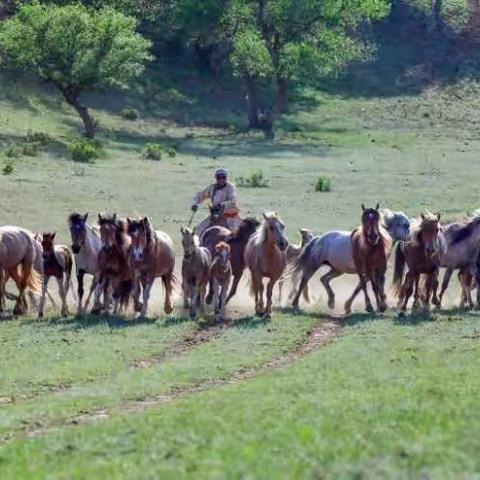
[113, 262]
[237, 242]
[265, 256]
[421, 254]
[221, 274]
[58, 263]
[371, 246]
[152, 256]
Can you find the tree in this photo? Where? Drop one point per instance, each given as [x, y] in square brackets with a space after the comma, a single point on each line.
[285, 42]
[75, 48]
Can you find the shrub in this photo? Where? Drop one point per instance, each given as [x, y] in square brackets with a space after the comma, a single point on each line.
[30, 149]
[84, 150]
[130, 114]
[8, 167]
[152, 151]
[255, 180]
[322, 184]
[41, 138]
[13, 151]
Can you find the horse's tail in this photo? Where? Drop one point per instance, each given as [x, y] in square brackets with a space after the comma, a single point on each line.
[300, 263]
[398, 270]
[34, 282]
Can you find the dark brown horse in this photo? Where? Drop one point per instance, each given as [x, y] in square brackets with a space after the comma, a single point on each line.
[237, 242]
[113, 261]
[421, 255]
[371, 246]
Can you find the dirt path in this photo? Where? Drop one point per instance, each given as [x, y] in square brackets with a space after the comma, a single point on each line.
[324, 332]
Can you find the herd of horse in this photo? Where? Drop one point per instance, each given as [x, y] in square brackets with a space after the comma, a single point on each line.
[125, 257]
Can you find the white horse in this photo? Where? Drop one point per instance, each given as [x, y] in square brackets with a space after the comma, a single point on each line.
[86, 245]
[335, 250]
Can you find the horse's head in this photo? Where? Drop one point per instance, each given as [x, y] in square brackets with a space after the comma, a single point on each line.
[371, 224]
[189, 241]
[397, 224]
[429, 231]
[222, 252]
[48, 244]
[275, 230]
[217, 214]
[248, 226]
[306, 235]
[78, 230]
[108, 230]
[140, 233]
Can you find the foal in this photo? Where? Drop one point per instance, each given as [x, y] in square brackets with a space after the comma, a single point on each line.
[371, 246]
[195, 271]
[220, 275]
[58, 263]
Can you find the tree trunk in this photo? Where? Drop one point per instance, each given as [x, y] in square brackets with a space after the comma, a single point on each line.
[252, 102]
[72, 98]
[279, 103]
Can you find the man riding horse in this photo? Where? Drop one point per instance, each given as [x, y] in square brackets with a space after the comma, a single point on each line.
[221, 193]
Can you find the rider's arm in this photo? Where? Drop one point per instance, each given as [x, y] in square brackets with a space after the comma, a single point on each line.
[201, 196]
[232, 199]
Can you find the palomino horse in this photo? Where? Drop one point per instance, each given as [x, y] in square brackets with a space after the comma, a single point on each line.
[152, 256]
[237, 242]
[58, 263]
[195, 271]
[420, 254]
[86, 245]
[114, 264]
[18, 254]
[221, 274]
[334, 249]
[293, 251]
[265, 257]
[371, 247]
[462, 252]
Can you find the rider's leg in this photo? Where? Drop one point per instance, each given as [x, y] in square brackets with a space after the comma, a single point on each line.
[233, 223]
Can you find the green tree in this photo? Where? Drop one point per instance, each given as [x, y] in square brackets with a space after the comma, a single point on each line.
[75, 48]
[285, 42]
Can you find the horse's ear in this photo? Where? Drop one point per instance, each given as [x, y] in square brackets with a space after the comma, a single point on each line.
[53, 235]
[422, 216]
[129, 221]
[85, 218]
[438, 216]
[363, 207]
[100, 217]
[378, 206]
[146, 221]
[264, 215]
[115, 216]
[182, 230]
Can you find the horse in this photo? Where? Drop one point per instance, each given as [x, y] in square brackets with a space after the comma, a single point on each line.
[220, 275]
[265, 256]
[114, 263]
[152, 256]
[58, 263]
[420, 253]
[293, 251]
[86, 245]
[371, 247]
[462, 252]
[237, 242]
[195, 271]
[18, 256]
[217, 216]
[334, 249]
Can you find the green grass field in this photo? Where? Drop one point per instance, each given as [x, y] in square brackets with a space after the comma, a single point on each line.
[307, 396]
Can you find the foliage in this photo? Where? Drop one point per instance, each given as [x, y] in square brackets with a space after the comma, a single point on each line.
[130, 114]
[41, 138]
[154, 151]
[254, 180]
[322, 184]
[13, 151]
[8, 166]
[84, 150]
[75, 48]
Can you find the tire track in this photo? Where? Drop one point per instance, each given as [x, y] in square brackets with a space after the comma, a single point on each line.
[323, 333]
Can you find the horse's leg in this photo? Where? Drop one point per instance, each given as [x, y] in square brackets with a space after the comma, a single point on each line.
[210, 292]
[416, 295]
[202, 292]
[307, 275]
[2, 289]
[348, 303]
[42, 298]
[428, 292]
[261, 288]
[63, 296]
[93, 286]
[223, 297]
[167, 280]
[80, 291]
[381, 289]
[270, 286]
[147, 287]
[326, 279]
[435, 299]
[99, 288]
[407, 289]
[215, 291]
[193, 299]
[368, 303]
[446, 281]
[21, 304]
[236, 280]
[186, 293]
[280, 290]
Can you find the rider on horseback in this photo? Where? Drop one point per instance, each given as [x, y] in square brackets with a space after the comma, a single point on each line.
[221, 193]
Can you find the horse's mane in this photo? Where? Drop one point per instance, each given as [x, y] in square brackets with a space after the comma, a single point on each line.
[262, 236]
[418, 224]
[247, 227]
[459, 231]
[134, 224]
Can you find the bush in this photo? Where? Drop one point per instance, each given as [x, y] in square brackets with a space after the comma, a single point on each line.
[13, 151]
[130, 114]
[154, 151]
[41, 138]
[84, 150]
[322, 184]
[8, 167]
[255, 180]
[30, 149]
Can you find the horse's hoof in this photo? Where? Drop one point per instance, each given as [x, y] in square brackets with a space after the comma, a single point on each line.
[65, 313]
[208, 300]
[331, 303]
[168, 309]
[348, 309]
[18, 311]
[401, 314]
[95, 311]
[259, 313]
[138, 307]
[383, 307]
[369, 309]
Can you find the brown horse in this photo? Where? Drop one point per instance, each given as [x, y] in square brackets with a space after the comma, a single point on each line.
[18, 249]
[113, 262]
[371, 246]
[421, 255]
[58, 263]
[265, 257]
[152, 256]
[221, 274]
[195, 271]
[237, 242]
